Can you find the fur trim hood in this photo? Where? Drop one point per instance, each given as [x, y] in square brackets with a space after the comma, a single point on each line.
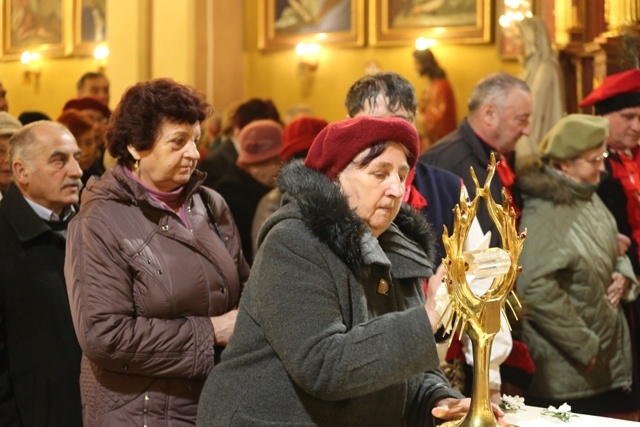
[537, 180]
[325, 210]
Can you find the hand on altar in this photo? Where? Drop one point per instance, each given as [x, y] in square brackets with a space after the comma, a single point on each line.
[453, 409]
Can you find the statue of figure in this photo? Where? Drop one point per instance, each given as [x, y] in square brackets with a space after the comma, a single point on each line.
[543, 75]
[437, 106]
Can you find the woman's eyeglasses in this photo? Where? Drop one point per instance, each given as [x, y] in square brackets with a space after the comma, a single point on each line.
[596, 160]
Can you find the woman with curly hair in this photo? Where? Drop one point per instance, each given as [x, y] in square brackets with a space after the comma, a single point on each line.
[154, 266]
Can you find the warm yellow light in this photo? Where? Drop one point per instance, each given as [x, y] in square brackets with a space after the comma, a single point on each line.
[424, 43]
[306, 49]
[25, 58]
[308, 55]
[101, 52]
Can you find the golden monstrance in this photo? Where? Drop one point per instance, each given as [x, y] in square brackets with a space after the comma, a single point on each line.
[479, 315]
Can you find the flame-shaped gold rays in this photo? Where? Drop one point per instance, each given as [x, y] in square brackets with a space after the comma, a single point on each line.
[479, 316]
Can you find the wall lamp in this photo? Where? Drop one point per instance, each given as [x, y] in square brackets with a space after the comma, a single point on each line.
[101, 55]
[424, 44]
[308, 56]
[31, 66]
[514, 10]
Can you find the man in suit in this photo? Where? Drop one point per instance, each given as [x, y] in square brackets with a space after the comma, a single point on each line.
[39, 352]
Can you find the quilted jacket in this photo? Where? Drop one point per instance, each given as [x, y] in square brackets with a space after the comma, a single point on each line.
[142, 287]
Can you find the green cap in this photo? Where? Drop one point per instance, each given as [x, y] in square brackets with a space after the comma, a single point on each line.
[574, 135]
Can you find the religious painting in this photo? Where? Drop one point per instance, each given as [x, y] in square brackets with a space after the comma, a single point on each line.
[90, 25]
[396, 22]
[34, 25]
[285, 23]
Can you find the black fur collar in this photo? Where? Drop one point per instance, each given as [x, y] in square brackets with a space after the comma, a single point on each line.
[326, 212]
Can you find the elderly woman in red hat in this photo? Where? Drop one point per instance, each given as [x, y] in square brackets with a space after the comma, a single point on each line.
[333, 327]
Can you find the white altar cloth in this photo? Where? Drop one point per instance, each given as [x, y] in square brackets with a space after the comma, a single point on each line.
[530, 417]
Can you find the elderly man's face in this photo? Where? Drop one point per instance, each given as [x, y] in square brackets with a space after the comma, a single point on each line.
[511, 120]
[624, 128]
[375, 191]
[51, 177]
[96, 88]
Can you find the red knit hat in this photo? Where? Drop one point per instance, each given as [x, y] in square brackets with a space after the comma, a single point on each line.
[88, 103]
[260, 140]
[617, 91]
[299, 134]
[340, 142]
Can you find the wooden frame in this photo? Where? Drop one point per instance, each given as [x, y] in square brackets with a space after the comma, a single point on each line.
[89, 25]
[393, 22]
[44, 30]
[281, 23]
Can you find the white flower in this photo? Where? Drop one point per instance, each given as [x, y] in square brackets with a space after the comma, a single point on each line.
[564, 408]
[563, 412]
[513, 400]
[511, 403]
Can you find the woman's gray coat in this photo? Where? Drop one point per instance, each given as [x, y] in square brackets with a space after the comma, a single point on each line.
[315, 342]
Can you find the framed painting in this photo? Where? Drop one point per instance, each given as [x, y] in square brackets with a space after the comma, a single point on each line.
[37, 26]
[398, 22]
[285, 23]
[89, 25]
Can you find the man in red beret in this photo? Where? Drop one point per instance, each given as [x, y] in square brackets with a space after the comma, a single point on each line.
[618, 100]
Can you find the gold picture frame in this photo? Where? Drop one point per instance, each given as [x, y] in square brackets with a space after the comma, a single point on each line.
[398, 22]
[285, 23]
[89, 26]
[44, 29]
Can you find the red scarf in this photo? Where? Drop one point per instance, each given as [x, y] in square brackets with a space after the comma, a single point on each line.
[506, 174]
[411, 194]
[627, 173]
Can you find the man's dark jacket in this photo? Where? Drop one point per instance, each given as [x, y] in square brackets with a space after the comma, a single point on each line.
[39, 352]
[457, 153]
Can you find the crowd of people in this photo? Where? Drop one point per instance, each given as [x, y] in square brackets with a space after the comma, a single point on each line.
[162, 265]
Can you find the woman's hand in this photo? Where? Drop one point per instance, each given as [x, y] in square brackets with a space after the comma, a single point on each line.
[223, 327]
[624, 242]
[617, 288]
[434, 283]
[453, 409]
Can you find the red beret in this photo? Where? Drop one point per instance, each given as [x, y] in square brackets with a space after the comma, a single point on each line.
[260, 140]
[617, 91]
[299, 134]
[340, 142]
[87, 103]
